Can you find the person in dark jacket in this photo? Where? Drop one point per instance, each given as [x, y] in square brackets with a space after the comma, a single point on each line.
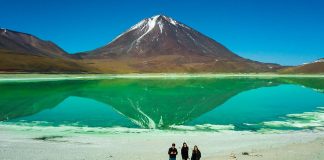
[185, 151]
[196, 155]
[173, 152]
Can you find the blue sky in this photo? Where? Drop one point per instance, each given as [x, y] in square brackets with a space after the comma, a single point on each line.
[288, 32]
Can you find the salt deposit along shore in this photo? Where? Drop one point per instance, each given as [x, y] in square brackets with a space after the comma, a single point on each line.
[153, 144]
[55, 77]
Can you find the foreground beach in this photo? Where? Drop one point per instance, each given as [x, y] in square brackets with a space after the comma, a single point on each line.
[39, 145]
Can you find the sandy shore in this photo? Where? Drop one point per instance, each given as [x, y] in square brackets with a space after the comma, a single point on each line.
[17, 145]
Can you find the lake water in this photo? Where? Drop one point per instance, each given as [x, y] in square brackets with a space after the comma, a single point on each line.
[204, 104]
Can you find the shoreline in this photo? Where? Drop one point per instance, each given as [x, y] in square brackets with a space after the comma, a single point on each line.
[153, 145]
[55, 77]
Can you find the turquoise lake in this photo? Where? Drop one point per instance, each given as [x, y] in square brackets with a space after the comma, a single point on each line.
[205, 104]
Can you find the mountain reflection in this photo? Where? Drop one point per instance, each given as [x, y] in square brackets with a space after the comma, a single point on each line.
[148, 103]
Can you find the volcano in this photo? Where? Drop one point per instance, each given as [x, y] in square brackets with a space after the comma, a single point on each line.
[162, 44]
[161, 35]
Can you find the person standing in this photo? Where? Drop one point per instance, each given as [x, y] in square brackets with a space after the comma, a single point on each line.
[185, 151]
[196, 155]
[172, 152]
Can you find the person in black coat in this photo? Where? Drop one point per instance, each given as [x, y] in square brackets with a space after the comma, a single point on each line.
[185, 151]
[196, 155]
[172, 152]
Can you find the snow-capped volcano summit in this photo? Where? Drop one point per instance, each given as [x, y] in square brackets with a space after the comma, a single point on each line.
[159, 20]
[161, 35]
[149, 23]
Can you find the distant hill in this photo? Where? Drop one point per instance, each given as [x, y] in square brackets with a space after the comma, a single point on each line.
[26, 43]
[315, 67]
[22, 52]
